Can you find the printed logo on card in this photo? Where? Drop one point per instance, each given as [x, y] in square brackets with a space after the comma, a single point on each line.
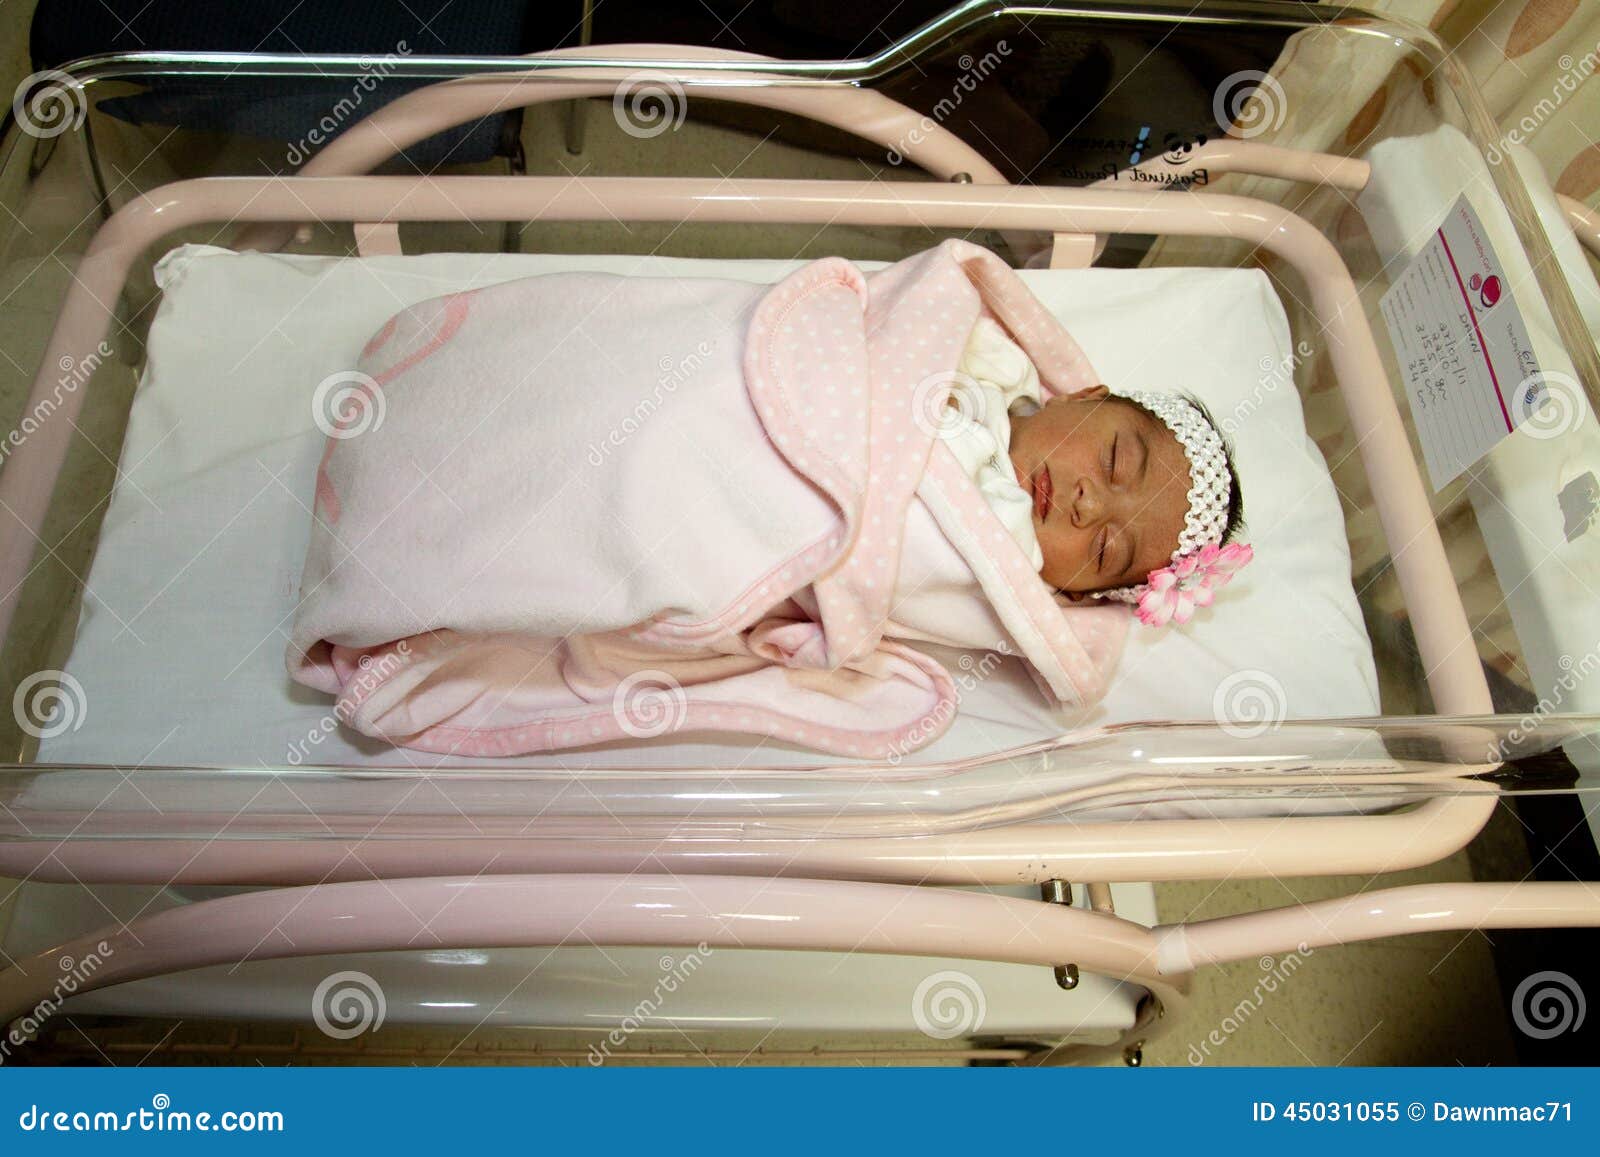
[1487, 288]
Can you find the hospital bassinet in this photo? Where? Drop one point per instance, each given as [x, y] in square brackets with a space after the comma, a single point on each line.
[1425, 655]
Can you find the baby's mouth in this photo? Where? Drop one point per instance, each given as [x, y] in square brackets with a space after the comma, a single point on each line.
[1043, 491]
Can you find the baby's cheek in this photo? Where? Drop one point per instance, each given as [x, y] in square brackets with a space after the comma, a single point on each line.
[1063, 561]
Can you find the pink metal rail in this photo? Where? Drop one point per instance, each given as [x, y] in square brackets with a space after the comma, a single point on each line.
[742, 912]
[722, 912]
[862, 112]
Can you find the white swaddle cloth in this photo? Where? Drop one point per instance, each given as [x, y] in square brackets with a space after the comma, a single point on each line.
[994, 379]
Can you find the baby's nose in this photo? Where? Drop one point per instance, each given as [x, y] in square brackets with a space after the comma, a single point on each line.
[1087, 503]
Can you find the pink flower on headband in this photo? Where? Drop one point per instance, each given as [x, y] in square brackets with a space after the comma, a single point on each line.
[1172, 593]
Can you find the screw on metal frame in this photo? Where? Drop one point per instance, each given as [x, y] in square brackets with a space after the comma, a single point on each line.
[1060, 892]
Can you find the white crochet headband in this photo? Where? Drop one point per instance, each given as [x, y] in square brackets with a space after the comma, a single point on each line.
[1211, 486]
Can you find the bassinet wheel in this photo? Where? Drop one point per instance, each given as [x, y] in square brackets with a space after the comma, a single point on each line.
[1133, 1055]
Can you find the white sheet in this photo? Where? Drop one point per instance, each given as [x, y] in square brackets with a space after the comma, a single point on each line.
[180, 646]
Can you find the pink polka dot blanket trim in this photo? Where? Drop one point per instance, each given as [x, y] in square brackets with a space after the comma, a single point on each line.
[1071, 649]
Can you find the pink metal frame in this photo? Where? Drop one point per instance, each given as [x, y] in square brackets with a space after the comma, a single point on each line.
[860, 111]
[834, 906]
[1348, 173]
[746, 912]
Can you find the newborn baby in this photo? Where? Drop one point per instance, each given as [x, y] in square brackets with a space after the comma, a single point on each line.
[1105, 491]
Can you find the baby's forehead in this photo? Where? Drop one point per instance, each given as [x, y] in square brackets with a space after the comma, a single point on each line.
[1162, 443]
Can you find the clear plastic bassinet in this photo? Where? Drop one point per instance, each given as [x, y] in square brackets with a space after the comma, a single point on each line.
[1476, 599]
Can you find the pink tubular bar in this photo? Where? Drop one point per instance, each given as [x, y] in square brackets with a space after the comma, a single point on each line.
[605, 910]
[1348, 173]
[1387, 912]
[861, 112]
[745, 912]
[1261, 160]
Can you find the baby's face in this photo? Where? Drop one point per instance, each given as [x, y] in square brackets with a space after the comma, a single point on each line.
[1110, 487]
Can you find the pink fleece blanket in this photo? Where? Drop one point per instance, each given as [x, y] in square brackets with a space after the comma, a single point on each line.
[580, 507]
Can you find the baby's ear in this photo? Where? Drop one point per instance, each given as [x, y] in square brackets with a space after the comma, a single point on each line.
[1092, 394]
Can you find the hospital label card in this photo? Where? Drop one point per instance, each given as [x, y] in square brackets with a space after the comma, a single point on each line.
[1462, 345]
